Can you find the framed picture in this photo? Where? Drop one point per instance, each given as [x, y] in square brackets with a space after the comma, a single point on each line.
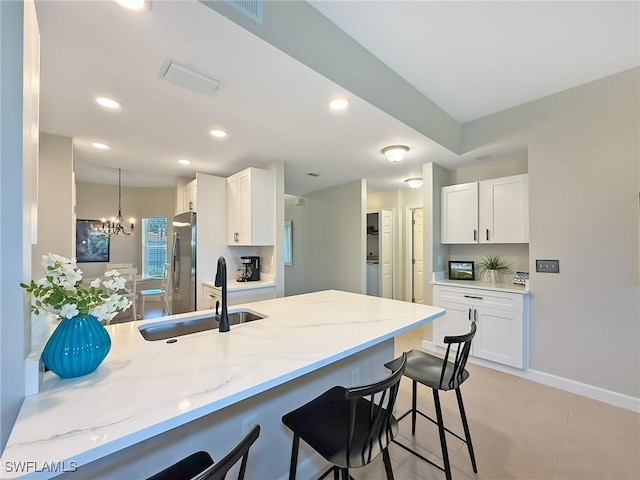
[91, 245]
[460, 270]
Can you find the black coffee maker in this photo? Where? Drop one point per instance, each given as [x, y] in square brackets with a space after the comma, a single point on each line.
[250, 270]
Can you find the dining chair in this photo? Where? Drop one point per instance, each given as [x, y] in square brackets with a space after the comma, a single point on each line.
[200, 465]
[162, 292]
[349, 427]
[439, 374]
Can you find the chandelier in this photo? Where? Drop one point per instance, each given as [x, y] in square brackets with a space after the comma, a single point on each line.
[115, 226]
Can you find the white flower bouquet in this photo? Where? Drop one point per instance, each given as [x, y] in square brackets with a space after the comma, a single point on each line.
[61, 292]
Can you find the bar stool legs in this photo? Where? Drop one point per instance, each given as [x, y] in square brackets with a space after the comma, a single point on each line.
[443, 437]
[465, 425]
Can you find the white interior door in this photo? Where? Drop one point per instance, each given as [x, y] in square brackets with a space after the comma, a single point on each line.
[418, 255]
[385, 237]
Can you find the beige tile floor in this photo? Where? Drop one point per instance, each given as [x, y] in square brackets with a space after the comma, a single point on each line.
[520, 430]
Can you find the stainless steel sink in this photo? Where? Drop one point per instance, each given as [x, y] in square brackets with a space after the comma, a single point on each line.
[164, 331]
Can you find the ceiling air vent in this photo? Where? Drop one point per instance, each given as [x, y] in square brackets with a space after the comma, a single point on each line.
[251, 8]
[189, 77]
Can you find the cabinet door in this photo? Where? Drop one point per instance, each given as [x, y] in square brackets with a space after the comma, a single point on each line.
[456, 321]
[459, 219]
[233, 199]
[244, 207]
[250, 208]
[189, 197]
[211, 295]
[499, 337]
[504, 210]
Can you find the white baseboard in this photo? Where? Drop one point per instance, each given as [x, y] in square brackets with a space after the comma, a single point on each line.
[590, 391]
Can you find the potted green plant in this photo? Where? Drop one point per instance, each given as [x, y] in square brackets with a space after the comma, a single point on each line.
[492, 267]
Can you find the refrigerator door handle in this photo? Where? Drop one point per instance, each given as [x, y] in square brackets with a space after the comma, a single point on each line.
[175, 261]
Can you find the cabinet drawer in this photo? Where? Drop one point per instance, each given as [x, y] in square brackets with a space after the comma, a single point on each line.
[481, 298]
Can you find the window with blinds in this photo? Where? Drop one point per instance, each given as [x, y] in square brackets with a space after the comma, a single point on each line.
[154, 246]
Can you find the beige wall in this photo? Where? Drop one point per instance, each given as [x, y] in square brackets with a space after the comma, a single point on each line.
[296, 276]
[584, 179]
[95, 201]
[55, 201]
[329, 245]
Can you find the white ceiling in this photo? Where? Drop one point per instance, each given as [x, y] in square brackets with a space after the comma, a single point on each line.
[476, 58]
[470, 59]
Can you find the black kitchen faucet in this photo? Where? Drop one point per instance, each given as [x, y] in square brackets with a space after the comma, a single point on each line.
[221, 281]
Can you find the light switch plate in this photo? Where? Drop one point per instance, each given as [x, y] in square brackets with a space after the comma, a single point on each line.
[548, 266]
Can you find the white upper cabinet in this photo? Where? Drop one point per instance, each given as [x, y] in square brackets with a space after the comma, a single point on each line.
[490, 211]
[460, 213]
[251, 208]
[190, 197]
[504, 210]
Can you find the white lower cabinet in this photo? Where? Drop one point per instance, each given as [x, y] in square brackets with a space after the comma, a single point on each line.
[501, 319]
[211, 296]
[236, 296]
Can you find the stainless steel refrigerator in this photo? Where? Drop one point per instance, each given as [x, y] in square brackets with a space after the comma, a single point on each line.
[183, 263]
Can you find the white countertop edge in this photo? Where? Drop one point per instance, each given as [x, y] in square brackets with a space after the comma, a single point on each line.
[103, 450]
[496, 287]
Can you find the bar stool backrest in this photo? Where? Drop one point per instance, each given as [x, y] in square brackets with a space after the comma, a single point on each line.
[380, 399]
[452, 372]
[218, 470]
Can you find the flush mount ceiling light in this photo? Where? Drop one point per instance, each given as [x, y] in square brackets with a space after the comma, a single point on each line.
[108, 103]
[395, 153]
[414, 182]
[184, 161]
[218, 133]
[137, 5]
[100, 146]
[339, 103]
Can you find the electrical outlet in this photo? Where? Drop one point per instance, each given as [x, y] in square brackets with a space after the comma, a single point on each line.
[548, 266]
[249, 422]
[355, 376]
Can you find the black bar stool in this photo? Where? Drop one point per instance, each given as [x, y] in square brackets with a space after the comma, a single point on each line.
[439, 374]
[348, 426]
[200, 465]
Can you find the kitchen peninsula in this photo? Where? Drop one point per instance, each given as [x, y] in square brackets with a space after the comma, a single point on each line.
[151, 402]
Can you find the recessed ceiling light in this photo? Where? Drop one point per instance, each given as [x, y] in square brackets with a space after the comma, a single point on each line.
[184, 161]
[108, 103]
[218, 133]
[339, 103]
[137, 5]
[100, 146]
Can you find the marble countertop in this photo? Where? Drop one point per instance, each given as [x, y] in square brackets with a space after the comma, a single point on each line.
[145, 388]
[496, 287]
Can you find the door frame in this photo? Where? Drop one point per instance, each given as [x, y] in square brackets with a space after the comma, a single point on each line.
[408, 250]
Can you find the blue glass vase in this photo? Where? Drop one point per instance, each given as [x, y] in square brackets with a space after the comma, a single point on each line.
[76, 347]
